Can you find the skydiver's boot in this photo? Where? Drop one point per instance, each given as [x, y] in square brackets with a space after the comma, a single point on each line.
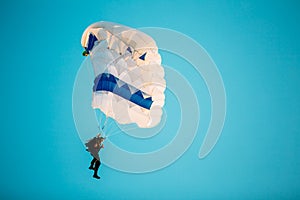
[97, 164]
[96, 176]
[92, 164]
[91, 167]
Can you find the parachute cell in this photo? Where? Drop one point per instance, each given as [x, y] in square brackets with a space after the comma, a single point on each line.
[129, 80]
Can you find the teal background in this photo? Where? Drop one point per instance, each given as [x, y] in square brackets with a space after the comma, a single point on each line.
[256, 47]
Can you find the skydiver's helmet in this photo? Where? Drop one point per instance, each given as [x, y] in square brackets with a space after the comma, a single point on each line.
[100, 137]
[85, 53]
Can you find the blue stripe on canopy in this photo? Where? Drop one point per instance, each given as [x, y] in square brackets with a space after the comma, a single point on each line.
[142, 57]
[108, 82]
[91, 42]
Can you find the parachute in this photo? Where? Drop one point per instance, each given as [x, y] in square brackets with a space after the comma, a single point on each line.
[129, 80]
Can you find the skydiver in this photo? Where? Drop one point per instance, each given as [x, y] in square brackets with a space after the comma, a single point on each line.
[93, 146]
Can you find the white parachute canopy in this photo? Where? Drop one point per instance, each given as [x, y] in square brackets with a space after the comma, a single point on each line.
[129, 79]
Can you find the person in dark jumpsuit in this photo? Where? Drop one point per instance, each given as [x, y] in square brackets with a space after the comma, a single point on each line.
[94, 146]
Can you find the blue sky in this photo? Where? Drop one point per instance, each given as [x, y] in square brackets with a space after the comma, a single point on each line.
[256, 47]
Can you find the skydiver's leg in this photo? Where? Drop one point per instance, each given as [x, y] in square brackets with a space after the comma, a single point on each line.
[92, 163]
[97, 165]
